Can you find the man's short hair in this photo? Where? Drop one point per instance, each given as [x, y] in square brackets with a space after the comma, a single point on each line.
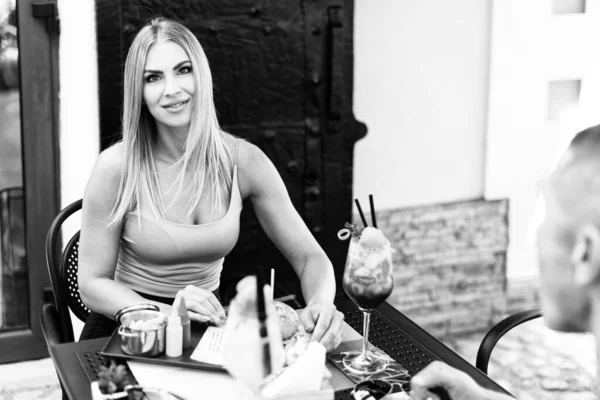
[576, 180]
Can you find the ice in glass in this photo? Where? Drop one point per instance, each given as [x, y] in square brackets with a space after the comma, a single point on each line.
[368, 277]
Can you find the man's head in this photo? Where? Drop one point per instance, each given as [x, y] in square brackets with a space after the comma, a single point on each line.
[568, 238]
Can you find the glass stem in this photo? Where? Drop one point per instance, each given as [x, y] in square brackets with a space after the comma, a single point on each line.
[367, 316]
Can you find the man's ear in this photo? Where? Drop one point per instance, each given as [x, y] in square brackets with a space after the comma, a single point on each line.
[585, 257]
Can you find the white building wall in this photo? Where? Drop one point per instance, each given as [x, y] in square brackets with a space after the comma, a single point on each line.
[533, 48]
[79, 120]
[421, 86]
[79, 116]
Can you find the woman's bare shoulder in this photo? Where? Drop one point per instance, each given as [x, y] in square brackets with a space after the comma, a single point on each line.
[251, 157]
[111, 160]
[106, 175]
[255, 169]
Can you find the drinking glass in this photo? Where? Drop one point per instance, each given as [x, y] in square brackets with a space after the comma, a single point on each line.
[368, 281]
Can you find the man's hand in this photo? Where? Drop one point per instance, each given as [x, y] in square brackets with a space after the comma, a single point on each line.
[459, 385]
[325, 323]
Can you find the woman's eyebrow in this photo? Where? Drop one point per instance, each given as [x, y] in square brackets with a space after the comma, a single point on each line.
[155, 71]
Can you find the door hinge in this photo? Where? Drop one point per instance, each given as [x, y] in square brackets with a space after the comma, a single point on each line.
[336, 93]
[48, 11]
[335, 15]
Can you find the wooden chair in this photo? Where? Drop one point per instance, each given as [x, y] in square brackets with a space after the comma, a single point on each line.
[52, 329]
[62, 265]
[62, 268]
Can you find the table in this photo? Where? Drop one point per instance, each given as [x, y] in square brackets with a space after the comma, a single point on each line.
[392, 331]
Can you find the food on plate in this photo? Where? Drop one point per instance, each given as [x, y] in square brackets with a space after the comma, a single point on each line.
[288, 319]
[296, 346]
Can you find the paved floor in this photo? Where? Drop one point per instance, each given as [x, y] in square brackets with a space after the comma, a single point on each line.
[29, 380]
[532, 362]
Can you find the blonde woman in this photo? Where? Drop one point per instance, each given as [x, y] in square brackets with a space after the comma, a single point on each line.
[162, 207]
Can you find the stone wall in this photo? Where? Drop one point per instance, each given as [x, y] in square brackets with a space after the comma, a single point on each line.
[522, 294]
[450, 264]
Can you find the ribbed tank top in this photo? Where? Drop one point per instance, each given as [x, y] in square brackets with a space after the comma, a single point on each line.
[161, 257]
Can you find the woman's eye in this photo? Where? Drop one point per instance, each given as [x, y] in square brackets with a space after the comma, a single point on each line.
[151, 78]
[185, 70]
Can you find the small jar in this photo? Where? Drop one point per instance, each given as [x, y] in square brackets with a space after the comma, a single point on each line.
[141, 342]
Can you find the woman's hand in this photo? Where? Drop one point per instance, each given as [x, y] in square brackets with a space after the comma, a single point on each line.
[459, 385]
[202, 305]
[325, 323]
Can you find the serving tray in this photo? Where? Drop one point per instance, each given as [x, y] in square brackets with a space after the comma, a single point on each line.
[113, 349]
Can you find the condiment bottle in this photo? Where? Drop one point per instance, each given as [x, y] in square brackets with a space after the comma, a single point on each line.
[174, 336]
[185, 323]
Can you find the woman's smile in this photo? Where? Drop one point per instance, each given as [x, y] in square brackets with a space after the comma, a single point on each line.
[175, 107]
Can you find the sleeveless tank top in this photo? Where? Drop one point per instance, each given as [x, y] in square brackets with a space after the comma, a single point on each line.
[161, 257]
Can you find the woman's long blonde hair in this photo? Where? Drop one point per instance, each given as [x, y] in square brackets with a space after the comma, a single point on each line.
[207, 162]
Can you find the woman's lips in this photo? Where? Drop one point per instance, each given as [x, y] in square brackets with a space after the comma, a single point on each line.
[176, 106]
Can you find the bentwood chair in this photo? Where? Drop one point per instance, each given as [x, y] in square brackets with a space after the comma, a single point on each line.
[499, 330]
[62, 267]
[52, 330]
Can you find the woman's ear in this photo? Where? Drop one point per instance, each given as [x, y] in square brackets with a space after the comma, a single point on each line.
[585, 257]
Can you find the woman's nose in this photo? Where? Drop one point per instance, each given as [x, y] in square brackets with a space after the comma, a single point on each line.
[171, 87]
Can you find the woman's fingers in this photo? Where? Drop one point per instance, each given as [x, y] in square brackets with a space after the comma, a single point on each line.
[333, 336]
[325, 322]
[203, 305]
[323, 317]
[216, 306]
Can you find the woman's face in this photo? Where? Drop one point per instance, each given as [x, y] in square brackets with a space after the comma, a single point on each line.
[169, 86]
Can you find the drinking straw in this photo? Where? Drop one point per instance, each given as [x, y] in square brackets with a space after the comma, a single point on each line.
[373, 220]
[362, 216]
[272, 284]
[262, 320]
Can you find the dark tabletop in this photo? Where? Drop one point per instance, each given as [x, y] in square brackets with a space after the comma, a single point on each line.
[77, 363]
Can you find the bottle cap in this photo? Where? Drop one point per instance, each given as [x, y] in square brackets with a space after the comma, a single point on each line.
[182, 311]
[174, 319]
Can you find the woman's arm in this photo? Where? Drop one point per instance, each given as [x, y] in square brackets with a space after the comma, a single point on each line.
[260, 181]
[99, 244]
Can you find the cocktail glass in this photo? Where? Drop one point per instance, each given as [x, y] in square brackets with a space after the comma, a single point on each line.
[368, 281]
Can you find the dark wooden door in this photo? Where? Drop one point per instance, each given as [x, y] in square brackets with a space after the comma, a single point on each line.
[282, 72]
[29, 186]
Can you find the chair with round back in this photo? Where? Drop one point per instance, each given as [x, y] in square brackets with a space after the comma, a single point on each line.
[62, 267]
[500, 329]
[53, 334]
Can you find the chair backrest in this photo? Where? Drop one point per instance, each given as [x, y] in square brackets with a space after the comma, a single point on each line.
[500, 329]
[52, 330]
[62, 268]
[51, 327]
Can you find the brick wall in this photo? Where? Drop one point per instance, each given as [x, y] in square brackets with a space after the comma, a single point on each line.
[450, 264]
[522, 294]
